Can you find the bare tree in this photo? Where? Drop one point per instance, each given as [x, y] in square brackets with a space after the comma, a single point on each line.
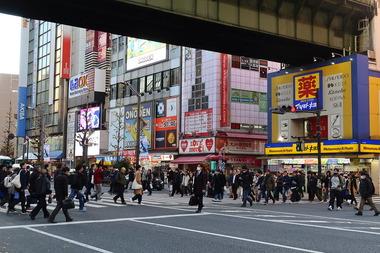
[38, 142]
[84, 137]
[118, 124]
[8, 147]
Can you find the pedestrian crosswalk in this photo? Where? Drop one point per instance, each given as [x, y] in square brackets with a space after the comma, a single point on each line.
[106, 201]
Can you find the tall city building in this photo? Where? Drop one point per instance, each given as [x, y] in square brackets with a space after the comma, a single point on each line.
[8, 109]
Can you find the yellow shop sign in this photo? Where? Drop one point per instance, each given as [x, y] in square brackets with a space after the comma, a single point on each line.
[312, 148]
[369, 148]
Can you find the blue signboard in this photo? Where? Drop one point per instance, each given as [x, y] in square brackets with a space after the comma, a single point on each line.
[21, 112]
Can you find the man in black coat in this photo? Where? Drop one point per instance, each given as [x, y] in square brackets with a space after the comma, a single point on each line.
[41, 189]
[366, 189]
[61, 183]
[199, 187]
[234, 183]
[246, 181]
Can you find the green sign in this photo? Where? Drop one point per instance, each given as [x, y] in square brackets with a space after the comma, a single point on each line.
[246, 96]
[263, 107]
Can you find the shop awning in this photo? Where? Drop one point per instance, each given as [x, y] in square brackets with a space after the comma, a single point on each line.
[190, 159]
[56, 155]
[245, 136]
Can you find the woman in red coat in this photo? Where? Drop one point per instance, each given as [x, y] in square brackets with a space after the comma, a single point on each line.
[98, 180]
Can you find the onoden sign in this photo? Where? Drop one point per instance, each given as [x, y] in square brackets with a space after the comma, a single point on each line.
[308, 91]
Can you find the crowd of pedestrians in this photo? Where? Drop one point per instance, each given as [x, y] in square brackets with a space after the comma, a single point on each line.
[37, 185]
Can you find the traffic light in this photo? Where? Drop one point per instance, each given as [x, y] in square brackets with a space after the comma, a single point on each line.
[284, 109]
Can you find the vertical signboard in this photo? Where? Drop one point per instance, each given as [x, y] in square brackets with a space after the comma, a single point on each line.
[308, 91]
[66, 52]
[141, 53]
[102, 46]
[166, 124]
[131, 125]
[224, 92]
[91, 41]
[21, 112]
[70, 138]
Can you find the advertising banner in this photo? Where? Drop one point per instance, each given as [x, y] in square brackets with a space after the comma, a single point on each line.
[246, 96]
[197, 145]
[241, 146]
[102, 46]
[308, 91]
[166, 124]
[89, 118]
[141, 53]
[66, 52]
[91, 41]
[131, 125]
[199, 121]
[81, 84]
[21, 112]
[263, 105]
[70, 135]
[224, 91]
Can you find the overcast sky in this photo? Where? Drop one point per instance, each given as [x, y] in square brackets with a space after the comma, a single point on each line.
[10, 27]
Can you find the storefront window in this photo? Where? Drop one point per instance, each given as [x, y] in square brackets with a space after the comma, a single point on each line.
[149, 83]
[166, 79]
[157, 81]
[175, 76]
[142, 85]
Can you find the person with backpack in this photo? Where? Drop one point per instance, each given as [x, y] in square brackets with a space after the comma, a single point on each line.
[366, 190]
[78, 181]
[336, 187]
[4, 177]
[119, 185]
[13, 184]
[41, 189]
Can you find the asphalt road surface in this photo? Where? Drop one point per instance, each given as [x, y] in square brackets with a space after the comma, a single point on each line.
[163, 224]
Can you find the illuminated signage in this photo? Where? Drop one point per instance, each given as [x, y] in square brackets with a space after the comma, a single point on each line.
[89, 118]
[308, 91]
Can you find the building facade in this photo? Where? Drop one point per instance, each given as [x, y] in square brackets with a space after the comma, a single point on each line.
[346, 92]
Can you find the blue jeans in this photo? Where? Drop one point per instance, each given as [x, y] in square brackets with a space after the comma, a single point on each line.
[246, 192]
[79, 195]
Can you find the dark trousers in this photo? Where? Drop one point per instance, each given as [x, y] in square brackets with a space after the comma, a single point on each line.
[13, 202]
[199, 197]
[335, 194]
[234, 191]
[369, 201]
[176, 189]
[149, 188]
[88, 190]
[57, 209]
[119, 194]
[268, 195]
[41, 204]
[138, 197]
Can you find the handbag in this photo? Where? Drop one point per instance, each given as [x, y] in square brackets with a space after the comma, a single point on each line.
[16, 181]
[193, 201]
[68, 203]
[136, 186]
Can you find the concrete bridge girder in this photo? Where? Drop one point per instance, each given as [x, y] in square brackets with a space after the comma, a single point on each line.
[331, 23]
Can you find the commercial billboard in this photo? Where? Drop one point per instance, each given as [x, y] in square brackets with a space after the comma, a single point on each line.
[141, 53]
[199, 121]
[91, 41]
[146, 115]
[66, 52]
[82, 84]
[224, 91]
[102, 46]
[197, 145]
[333, 83]
[166, 124]
[21, 112]
[89, 118]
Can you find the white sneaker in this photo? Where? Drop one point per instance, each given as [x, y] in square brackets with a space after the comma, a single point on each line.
[330, 208]
[339, 208]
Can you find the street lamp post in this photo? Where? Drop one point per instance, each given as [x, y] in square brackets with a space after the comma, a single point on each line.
[138, 124]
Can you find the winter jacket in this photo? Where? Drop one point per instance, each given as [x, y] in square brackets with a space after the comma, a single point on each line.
[366, 188]
[78, 181]
[269, 182]
[219, 182]
[336, 183]
[42, 185]
[98, 176]
[246, 180]
[200, 181]
[61, 183]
